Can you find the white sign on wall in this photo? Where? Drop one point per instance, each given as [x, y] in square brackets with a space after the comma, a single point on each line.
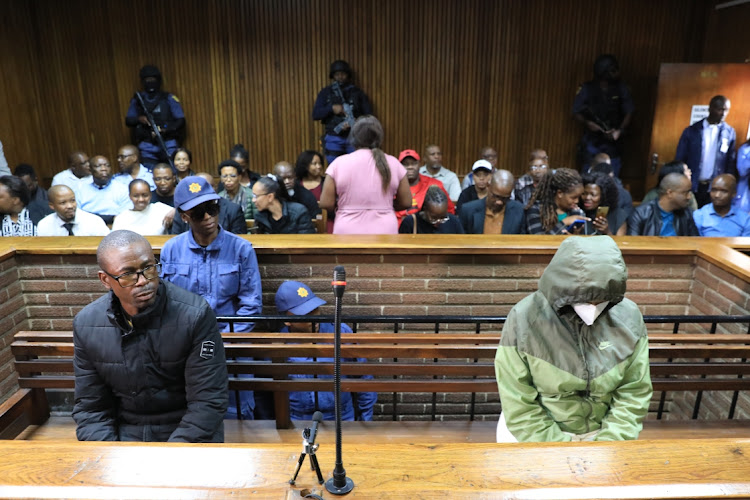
[700, 111]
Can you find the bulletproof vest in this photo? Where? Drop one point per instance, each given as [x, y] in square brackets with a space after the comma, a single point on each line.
[606, 105]
[159, 108]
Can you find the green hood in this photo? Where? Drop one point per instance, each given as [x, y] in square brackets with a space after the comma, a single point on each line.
[586, 269]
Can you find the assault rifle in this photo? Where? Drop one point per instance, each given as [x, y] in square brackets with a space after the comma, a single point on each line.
[348, 109]
[155, 129]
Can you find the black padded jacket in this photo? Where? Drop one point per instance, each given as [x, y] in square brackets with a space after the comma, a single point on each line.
[646, 221]
[163, 379]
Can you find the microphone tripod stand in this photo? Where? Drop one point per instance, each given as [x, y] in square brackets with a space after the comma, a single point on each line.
[308, 448]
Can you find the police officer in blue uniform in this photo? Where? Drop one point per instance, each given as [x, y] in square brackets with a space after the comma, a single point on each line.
[604, 106]
[167, 112]
[337, 106]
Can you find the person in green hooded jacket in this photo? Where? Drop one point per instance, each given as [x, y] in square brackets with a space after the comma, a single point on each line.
[573, 362]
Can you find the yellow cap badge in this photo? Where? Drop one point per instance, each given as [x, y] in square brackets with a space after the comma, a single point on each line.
[195, 187]
[301, 292]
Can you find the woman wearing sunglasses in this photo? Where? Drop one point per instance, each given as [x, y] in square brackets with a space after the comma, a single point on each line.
[433, 217]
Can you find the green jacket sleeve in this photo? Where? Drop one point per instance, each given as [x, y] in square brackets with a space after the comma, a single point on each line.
[630, 401]
[524, 416]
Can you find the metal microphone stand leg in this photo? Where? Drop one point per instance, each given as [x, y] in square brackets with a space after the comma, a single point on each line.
[307, 449]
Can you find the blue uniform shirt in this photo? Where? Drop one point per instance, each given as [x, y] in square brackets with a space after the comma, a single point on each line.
[225, 273]
[302, 404]
[709, 223]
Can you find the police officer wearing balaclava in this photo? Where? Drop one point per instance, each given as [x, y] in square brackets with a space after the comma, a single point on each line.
[604, 107]
[166, 110]
[337, 106]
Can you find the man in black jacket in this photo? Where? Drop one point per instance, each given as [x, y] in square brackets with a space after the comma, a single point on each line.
[149, 360]
[668, 215]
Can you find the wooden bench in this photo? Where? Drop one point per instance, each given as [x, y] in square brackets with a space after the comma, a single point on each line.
[400, 362]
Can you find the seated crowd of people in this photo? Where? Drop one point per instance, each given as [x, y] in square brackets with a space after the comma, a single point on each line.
[86, 199]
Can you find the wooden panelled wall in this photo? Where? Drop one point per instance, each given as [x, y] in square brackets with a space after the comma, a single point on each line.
[459, 73]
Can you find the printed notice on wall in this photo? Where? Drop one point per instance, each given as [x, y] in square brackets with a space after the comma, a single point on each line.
[700, 111]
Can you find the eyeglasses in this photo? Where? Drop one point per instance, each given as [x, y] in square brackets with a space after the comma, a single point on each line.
[129, 279]
[122, 157]
[537, 167]
[228, 176]
[434, 222]
[256, 196]
[199, 213]
[493, 196]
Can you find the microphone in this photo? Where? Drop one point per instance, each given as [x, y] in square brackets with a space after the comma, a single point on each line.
[339, 281]
[339, 484]
[317, 418]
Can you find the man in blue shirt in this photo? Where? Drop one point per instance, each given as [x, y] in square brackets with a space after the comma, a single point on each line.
[296, 299]
[214, 263]
[721, 217]
[103, 197]
[131, 168]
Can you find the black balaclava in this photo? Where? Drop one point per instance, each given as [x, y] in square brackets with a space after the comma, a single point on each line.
[151, 72]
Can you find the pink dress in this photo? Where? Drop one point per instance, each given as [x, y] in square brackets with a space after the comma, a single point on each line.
[363, 207]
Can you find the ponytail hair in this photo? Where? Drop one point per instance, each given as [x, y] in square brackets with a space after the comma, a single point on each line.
[367, 132]
[271, 185]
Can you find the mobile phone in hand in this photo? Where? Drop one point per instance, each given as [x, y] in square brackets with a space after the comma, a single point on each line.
[602, 211]
[578, 223]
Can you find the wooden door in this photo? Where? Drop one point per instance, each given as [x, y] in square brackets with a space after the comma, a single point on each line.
[682, 86]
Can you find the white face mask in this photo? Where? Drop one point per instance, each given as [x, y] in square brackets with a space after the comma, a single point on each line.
[589, 312]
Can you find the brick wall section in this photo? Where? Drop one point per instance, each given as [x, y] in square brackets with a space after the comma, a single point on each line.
[13, 317]
[716, 292]
[54, 288]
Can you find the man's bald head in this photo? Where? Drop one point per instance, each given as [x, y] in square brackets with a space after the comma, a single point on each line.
[672, 181]
[500, 190]
[209, 178]
[284, 172]
[728, 180]
[58, 190]
[78, 162]
[723, 191]
[601, 158]
[62, 200]
[674, 192]
[502, 179]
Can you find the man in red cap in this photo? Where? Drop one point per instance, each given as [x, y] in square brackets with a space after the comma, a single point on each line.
[418, 184]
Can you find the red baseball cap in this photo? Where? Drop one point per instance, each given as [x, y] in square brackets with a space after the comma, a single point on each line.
[408, 152]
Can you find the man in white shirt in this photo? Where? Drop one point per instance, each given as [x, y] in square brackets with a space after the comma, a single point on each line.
[129, 161]
[708, 148]
[67, 219]
[4, 169]
[77, 173]
[433, 168]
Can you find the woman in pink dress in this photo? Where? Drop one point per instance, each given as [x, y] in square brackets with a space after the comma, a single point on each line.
[362, 185]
